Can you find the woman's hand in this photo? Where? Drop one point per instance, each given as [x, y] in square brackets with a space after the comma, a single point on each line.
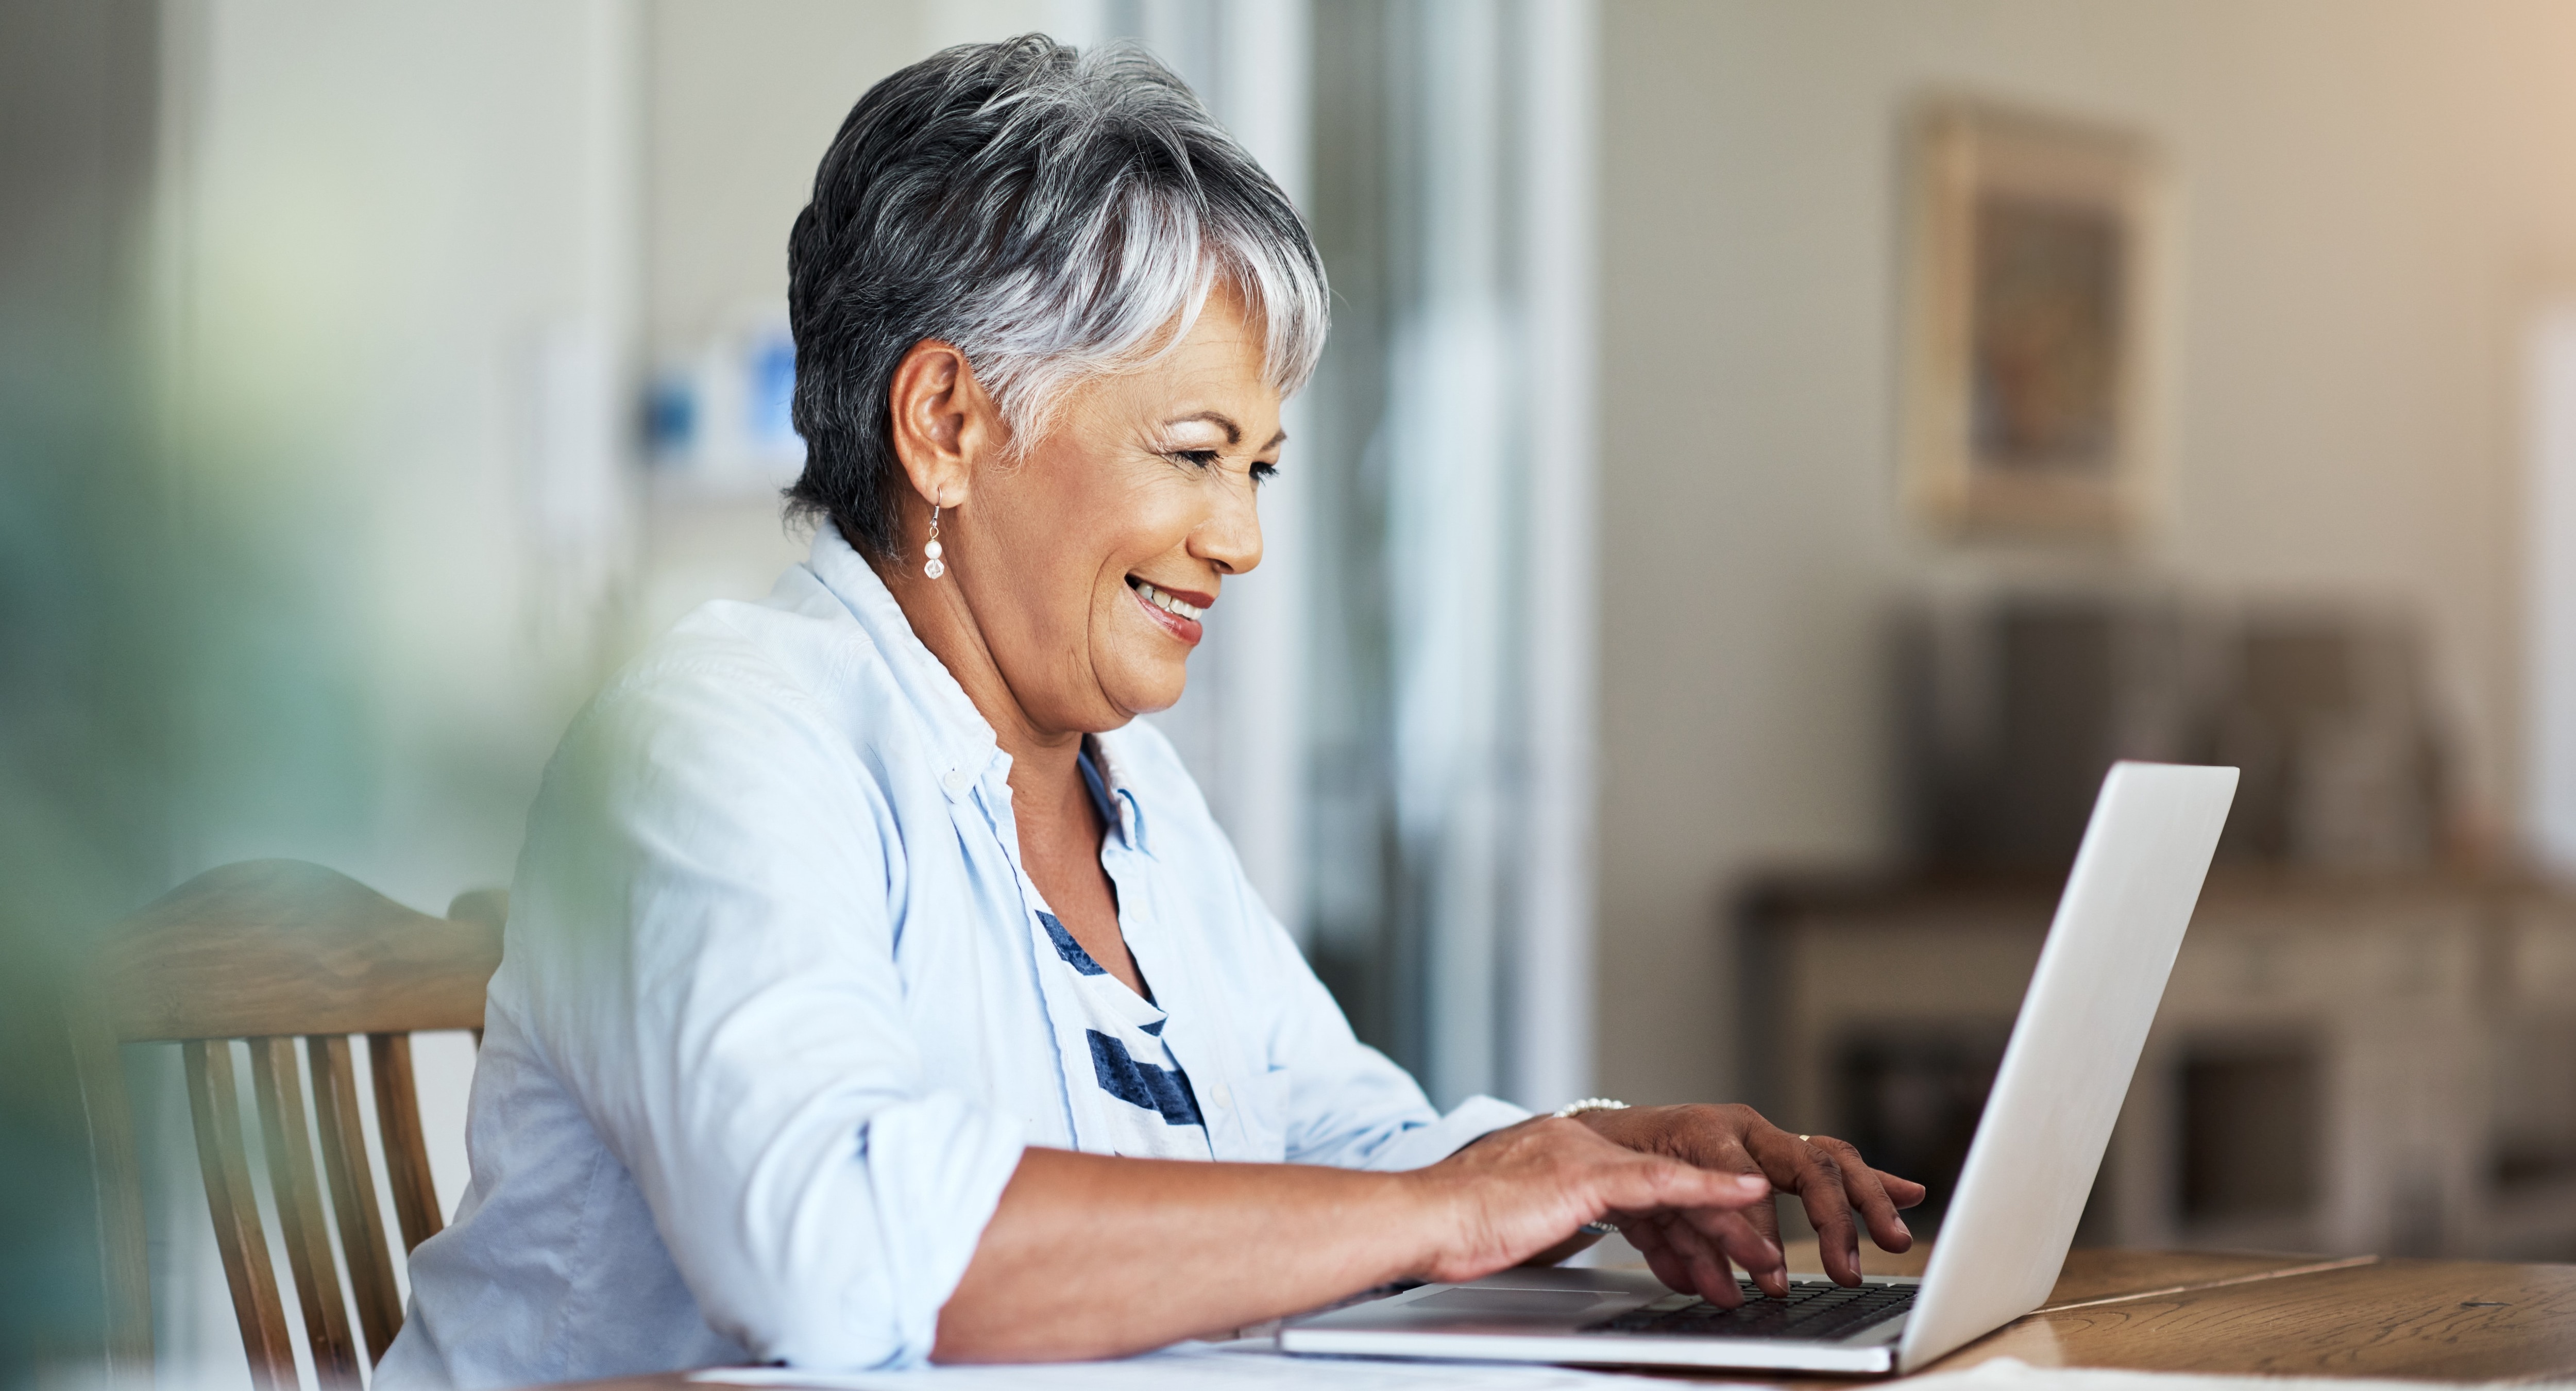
[1092, 1256]
[1827, 1174]
[1523, 1190]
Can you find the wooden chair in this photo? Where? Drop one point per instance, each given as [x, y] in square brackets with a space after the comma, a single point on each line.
[273, 952]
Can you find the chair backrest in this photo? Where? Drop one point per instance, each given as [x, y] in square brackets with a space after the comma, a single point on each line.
[277, 952]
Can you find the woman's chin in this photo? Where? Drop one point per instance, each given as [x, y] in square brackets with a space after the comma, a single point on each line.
[1148, 692]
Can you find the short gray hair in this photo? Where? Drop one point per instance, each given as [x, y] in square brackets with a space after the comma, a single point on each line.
[1050, 213]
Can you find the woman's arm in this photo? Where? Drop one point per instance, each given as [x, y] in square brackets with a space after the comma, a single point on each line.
[1091, 1256]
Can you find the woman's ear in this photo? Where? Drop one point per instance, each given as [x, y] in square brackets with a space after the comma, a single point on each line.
[943, 421]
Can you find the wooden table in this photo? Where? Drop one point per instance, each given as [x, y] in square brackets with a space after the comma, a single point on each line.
[2285, 1315]
[2239, 1312]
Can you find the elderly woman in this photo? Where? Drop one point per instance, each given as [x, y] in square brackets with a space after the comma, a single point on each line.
[877, 989]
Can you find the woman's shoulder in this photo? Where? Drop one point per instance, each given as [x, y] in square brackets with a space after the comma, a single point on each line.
[785, 677]
[747, 733]
[796, 645]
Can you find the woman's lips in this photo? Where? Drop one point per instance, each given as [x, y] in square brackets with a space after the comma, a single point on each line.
[1159, 605]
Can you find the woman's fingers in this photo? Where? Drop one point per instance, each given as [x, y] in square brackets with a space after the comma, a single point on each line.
[1905, 1191]
[1867, 1190]
[1647, 1235]
[1841, 1192]
[1722, 1226]
[1730, 1235]
[1764, 1218]
[1699, 1248]
[1685, 1260]
[1646, 1183]
[1818, 1182]
[1703, 1219]
[1690, 1222]
[1709, 1271]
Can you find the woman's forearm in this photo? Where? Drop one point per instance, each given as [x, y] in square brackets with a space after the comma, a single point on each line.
[1091, 1256]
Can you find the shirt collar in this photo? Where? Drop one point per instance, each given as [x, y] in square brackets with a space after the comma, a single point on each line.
[965, 737]
[1104, 770]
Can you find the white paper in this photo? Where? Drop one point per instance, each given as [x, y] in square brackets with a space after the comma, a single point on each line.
[1235, 1367]
[2011, 1374]
[1250, 1367]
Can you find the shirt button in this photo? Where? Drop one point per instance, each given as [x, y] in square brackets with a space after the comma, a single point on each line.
[1223, 1098]
[954, 780]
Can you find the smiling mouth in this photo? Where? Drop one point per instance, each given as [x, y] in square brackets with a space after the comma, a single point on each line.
[1167, 602]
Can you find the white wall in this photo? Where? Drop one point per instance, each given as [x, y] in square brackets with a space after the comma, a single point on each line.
[740, 101]
[2372, 191]
[374, 229]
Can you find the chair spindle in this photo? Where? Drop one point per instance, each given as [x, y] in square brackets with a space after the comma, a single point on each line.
[406, 1149]
[214, 1103]
[298, 1195]
[353, 1191]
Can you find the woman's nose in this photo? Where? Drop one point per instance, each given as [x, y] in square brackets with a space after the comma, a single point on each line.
[1230, 539]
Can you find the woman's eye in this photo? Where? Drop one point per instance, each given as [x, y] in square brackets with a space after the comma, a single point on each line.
[1198, 458]
[1263, 471]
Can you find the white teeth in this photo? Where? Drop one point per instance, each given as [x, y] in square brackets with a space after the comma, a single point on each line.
[1167, 603]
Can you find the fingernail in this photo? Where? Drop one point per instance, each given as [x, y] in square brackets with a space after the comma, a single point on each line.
[1749, 1182]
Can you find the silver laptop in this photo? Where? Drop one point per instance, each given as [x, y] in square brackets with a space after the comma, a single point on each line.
[2046, 1124]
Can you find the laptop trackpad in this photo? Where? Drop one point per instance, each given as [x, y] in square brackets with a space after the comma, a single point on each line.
[1514, 1305]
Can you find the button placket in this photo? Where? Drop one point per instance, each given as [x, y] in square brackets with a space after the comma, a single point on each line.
[1209, 1062]
[992, 810]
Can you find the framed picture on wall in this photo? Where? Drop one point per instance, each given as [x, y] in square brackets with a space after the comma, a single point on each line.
[2031, 337]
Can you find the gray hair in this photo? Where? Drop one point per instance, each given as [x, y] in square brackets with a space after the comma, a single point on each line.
[1056, 216]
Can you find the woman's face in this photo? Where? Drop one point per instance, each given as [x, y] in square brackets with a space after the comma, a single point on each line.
[1090, 562]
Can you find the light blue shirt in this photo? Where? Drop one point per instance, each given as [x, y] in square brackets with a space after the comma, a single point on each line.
[776, 1014]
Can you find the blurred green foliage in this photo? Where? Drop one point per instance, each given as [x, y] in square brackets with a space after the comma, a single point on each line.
[84, 752]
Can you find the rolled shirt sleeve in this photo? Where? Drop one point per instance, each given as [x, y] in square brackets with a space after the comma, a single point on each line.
[1412, 1147]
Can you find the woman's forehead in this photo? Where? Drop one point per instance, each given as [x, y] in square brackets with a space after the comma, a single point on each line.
[1210, 384]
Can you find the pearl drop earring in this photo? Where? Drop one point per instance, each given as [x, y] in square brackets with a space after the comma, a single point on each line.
[932, 567]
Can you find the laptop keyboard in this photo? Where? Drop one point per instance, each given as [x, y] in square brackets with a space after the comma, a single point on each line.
[1817, 1310]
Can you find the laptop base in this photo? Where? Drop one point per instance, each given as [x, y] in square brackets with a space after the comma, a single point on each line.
[1572, 1317]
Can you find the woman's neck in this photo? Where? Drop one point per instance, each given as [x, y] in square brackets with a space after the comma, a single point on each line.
[1045, 763]
[1059, 825]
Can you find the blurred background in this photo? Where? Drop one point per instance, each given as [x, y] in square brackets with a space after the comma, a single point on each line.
[1770, 459]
